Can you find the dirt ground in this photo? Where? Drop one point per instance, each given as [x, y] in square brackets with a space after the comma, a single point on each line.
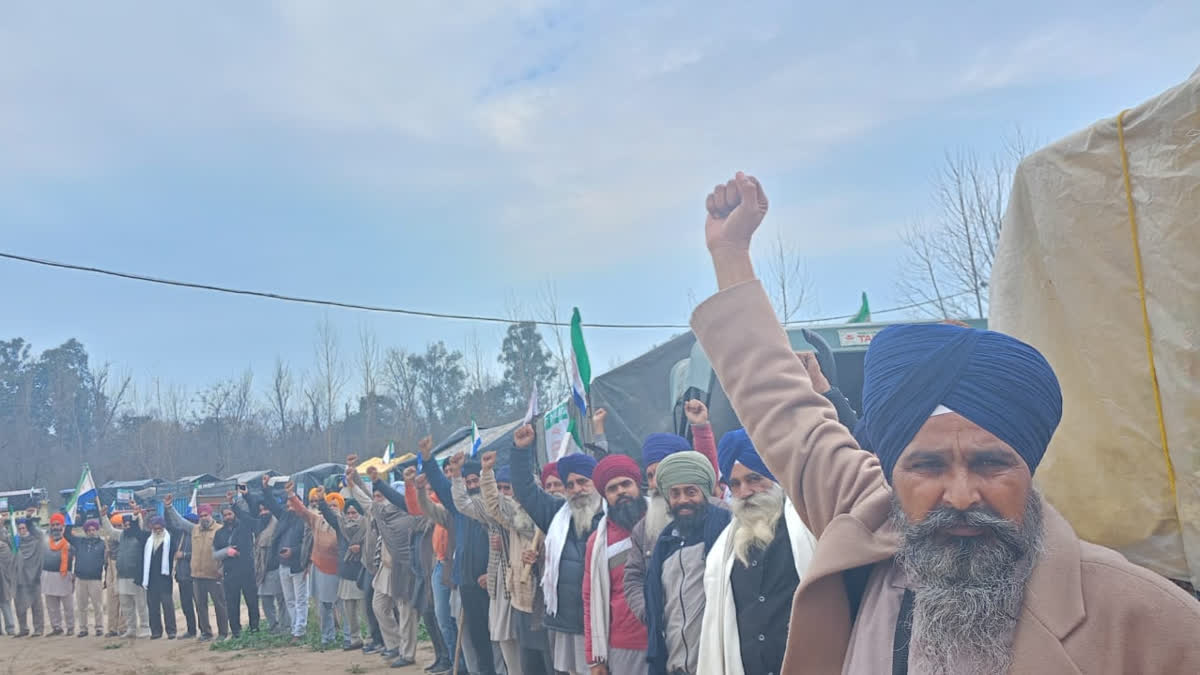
[48, 656]
[53, 655]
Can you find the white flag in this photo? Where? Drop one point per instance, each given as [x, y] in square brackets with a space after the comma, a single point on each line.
[532, 411]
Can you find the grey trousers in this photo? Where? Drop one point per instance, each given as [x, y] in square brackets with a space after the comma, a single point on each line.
[351, 629]
[90, 593]
[29, 601]
[61, 610]
[8, 617]
[275, 610]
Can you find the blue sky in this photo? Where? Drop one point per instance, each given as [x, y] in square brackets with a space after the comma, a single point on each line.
[457, 156]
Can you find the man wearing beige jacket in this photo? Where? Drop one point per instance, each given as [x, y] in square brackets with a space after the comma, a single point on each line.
[934, 549]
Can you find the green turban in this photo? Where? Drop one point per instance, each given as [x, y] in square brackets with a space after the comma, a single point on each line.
[686, 468]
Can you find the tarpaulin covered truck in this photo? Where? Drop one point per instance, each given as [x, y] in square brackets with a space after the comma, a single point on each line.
[1098, 266]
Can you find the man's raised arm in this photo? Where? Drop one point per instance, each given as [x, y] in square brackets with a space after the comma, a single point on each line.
[795, 429]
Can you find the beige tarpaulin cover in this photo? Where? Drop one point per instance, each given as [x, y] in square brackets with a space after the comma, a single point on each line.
[1065, 280]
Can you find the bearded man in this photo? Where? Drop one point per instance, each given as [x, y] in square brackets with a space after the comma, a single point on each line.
[935, 554]
[753, 570]
[675, 576]
[58, 578]
[656, 448]
[615, 639]
[467, 491]
[207, 575]
[523, 548]
[28, 561]
[567, 524]
[472, 552]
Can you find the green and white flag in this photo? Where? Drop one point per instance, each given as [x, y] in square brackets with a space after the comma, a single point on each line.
[864, 312]
[581, 367]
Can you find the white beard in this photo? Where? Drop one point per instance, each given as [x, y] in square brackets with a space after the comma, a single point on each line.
[757, 517]
[658, 515]
[583, 511]
[521, 521]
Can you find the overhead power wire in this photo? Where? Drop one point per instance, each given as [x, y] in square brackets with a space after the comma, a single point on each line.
[407, 312]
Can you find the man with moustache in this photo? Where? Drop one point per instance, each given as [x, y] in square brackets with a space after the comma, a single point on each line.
[523, 547]
[675, 576]
[935, 554]
[615, 639]
[567, 524]
[645, 534]
[753, 570]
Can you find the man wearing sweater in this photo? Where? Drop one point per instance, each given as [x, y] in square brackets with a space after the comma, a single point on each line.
[206, 570]
[90, 552]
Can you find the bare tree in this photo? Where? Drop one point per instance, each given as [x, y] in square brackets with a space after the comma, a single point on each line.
[331, 375]
[112, 397]
[402, 385]
[953, 257]
[923, 279]
[787, 279]
[280, 396]
[370, 363]
[559, 345]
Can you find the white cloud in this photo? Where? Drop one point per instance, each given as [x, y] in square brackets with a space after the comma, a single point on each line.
[601, 119]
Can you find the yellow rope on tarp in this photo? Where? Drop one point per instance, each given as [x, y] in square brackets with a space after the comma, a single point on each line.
[1141, 281]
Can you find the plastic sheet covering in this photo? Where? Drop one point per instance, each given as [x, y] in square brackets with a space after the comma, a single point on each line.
[1065, 280]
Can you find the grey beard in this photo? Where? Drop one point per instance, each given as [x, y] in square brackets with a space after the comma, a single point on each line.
[521, 521]
[583, 510]
[757, 517]
[658, 514]
[968, 590]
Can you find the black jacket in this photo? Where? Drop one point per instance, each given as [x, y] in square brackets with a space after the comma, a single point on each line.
[129, 557]
[157, 578]
[542, 508]
[762, 594]
[89, 556]
[289, 533]
[240, 535]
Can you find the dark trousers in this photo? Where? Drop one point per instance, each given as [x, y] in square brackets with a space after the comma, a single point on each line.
[536, 657]
[376, 634]
[187, 603]
[475, 608]
[440, 652]
[236, 589]
[204, 589]
[161, 603]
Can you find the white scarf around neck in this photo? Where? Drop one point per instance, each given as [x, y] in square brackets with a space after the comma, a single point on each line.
[720, 644]
[148, 552]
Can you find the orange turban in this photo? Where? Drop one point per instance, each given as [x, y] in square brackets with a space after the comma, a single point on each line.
[336, 500]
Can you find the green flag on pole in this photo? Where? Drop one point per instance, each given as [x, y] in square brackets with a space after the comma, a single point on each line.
[864, 312]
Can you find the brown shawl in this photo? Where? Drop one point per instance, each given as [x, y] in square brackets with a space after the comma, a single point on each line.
[262, 551]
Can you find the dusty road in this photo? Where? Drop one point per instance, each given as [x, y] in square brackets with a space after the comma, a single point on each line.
[49, 656]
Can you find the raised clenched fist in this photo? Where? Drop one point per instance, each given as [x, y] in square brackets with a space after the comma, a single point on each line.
[696, 411]
[458, 459]
[524, 436]
[820, 383]
[425, 447]
[409, 474]
[372, 473]
[351, 461]
[735, 210]
[488, 460]
[422, 481]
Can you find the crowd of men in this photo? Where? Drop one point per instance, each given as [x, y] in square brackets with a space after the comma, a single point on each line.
[910, 540]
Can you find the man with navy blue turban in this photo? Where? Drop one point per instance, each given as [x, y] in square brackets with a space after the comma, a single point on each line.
[753, 569]
[935, 553]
